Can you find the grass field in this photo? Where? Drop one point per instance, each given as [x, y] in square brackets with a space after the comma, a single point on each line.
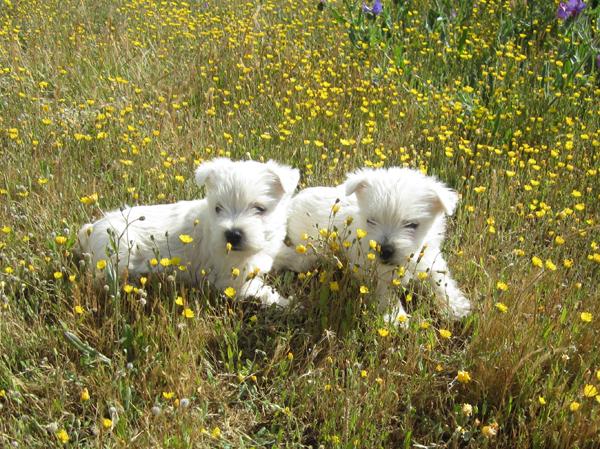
[105, 103]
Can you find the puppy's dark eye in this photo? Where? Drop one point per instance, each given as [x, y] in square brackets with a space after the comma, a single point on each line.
[412, 226]
[260, 209]
[218, 209]
[371, 222]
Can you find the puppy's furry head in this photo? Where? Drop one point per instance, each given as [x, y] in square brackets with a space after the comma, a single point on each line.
[398, 207]
[247, 201]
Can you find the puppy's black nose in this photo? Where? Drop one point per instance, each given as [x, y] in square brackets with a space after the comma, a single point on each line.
[387, 252]
[235, 237]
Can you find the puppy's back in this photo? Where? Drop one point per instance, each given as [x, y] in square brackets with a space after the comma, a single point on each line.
[139, 231]
[312, 209]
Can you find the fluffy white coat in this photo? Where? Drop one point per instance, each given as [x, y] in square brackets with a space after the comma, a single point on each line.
[402, 210]
[246, 204]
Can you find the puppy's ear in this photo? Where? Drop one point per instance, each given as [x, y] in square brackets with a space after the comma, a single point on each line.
[447, 198]
[356, 182]
[206, 171]
[286, 177]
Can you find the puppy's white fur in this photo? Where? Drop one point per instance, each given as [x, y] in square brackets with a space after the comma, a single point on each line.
[402, 210]
[247, 200]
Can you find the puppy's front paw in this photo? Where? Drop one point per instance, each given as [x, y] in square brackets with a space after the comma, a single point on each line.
[269, 296]
[459, 307]
[397, 318]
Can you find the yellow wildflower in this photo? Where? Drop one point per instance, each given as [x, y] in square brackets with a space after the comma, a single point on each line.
[589, 391]
[62, 436]
[574, 406]
[503, 308]
[445, 333]
[464, 377]
[502, 286]
[185, 239]
[89, 200]
[490, 431]
[60, 239]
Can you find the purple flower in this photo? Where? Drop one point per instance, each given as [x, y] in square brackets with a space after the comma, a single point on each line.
[598, 61]
[561, 12]
[377, 7]
[375, 10]
[572, 8]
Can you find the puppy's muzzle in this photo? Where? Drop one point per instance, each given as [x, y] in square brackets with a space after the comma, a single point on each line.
[387, 253]
[235, 237]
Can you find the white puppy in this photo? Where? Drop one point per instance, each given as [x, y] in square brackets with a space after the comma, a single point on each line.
[403, 214]
[229, 238]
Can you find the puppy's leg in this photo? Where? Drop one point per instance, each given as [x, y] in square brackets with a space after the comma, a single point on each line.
[390, 306]
[256, 288]
[289, 259]
[446, 290]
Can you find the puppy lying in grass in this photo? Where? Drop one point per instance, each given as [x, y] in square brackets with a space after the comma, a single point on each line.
[392, 222]
[230, 238]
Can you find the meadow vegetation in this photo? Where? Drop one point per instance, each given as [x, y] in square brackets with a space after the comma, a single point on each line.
[105, 103]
